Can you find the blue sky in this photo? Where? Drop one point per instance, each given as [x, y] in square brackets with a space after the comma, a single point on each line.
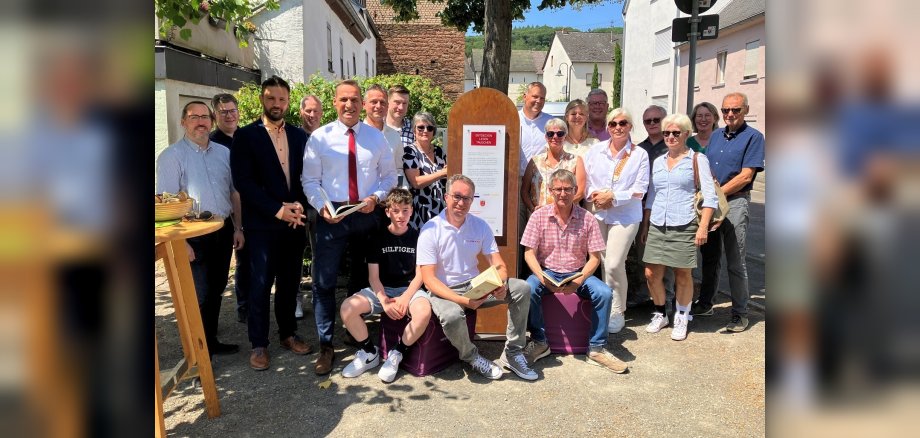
[588, 17]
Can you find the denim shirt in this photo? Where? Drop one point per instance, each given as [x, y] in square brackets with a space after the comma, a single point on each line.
[671, 192]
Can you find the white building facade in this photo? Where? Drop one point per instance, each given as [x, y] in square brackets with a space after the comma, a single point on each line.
[569, 65]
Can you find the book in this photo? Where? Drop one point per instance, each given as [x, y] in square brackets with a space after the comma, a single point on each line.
[484, 283]
[343, 210]
[563, 281]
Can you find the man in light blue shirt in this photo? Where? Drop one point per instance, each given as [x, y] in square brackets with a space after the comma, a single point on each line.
[201, 168]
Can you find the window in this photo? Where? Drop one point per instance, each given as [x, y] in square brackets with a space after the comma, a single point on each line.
[367, 65]
[551, 60]
[354, 64]
[374, 66]
[600, 78]
[663, 45]
[696, 74]
[329, 47]
[341, 60]
[661, 101]
[751, 59]
[720, 67]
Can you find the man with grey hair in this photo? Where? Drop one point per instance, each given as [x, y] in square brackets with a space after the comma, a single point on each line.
[375, 108]
[533, 122]
[448, 247]
[598, 107]
[558, 239]
[737, 154]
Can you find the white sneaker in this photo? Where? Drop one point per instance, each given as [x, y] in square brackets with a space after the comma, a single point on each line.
[486, 367]
[390, 366]
[679, 332]
[659, 321]
[363, 362]
[617, 322]
[298, 312]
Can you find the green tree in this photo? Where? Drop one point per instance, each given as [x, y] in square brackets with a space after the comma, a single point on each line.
[615, 95]
[425, 97]
[234, 13]
[493, 19]
[594, 79]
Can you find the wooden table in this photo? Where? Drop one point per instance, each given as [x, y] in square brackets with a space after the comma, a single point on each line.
[171, 247]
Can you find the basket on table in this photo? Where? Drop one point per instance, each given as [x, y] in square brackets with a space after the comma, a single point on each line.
[166, 211]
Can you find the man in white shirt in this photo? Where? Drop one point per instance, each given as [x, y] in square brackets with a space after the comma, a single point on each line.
[448, 246]
[533, 123]
[397, 107]
[352, 162]
[375, 107]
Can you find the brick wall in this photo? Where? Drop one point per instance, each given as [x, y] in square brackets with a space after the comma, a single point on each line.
[434, 50]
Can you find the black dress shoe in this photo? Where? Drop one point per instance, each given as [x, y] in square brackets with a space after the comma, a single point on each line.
[220, 348]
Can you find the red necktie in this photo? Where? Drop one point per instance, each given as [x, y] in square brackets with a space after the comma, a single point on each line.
[352, 168]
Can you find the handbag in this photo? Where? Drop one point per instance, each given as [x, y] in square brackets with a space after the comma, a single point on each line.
[720, 212]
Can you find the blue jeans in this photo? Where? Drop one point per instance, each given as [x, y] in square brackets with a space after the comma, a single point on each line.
[331, 240]
[731, 237]
[593, 289]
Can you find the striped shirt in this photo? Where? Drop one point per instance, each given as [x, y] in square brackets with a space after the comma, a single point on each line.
[562, 248]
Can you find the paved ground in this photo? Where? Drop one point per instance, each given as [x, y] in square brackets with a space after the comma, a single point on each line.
[710, 385]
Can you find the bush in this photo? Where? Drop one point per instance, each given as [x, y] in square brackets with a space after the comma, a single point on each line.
[424, 97]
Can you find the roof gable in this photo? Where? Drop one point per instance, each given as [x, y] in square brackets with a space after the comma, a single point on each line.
[530, 61]
[588, 46]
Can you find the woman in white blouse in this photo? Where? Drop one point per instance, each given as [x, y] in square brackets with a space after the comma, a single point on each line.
[618, 173]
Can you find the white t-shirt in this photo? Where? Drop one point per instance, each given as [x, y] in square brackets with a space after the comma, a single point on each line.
[453, 251]
[533, 137]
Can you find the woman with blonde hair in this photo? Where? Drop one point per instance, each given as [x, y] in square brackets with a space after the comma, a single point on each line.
[618, 173]
[670, 228]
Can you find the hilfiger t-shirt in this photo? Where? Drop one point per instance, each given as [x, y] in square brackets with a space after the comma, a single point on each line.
[395, 255]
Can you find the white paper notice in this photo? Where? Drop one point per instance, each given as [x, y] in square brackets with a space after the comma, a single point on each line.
[484, 163]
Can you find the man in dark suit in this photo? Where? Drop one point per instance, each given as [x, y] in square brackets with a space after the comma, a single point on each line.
[266, 164]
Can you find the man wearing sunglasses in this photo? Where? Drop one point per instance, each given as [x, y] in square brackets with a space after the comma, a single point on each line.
[655, 147]
[448, 247]
[736, 154]
[351, 162]
[201, 168]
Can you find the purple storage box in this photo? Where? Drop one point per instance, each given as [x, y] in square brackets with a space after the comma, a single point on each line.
[431, 353]
[567, 320]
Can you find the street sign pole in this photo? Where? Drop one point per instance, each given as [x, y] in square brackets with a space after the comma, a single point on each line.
[691, 70]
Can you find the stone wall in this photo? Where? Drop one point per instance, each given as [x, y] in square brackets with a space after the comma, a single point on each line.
[433, 51]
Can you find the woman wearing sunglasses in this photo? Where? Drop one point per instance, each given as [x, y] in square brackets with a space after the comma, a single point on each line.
[705, 119]
[670, 228]
[535, 184]
[618, 173]
[579, 139]
[426, 169]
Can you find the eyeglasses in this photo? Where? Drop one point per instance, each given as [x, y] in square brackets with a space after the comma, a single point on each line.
[597, 103]
[731, 110]
[459, 198]
[560, 190]
[614, 123]
[653, 121]
[559, 134]
[227, 112]
[675, 134]
[423, 128]
[196, 117]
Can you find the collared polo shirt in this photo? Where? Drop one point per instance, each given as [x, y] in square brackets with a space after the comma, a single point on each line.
[728, 156]
[453, 250]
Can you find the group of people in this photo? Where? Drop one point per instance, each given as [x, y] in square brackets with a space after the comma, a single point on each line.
[587, 193]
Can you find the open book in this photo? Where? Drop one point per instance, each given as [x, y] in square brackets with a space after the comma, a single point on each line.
[342, 211]
[484, 283]
[563, 281]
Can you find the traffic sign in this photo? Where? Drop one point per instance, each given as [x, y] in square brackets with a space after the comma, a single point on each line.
[686, 6]
[708, 28]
